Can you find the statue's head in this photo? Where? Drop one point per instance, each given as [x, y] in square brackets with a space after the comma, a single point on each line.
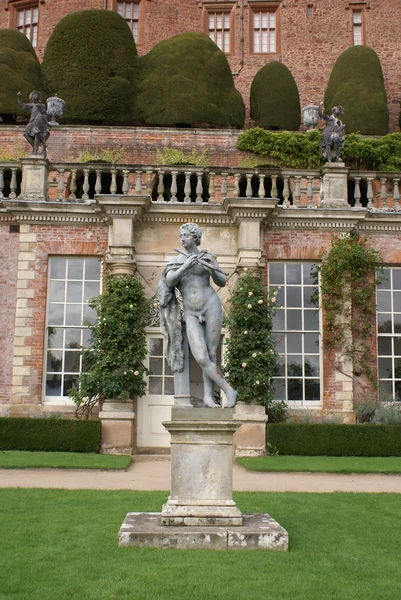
[194, 230]
[337, 110]
[35, 97]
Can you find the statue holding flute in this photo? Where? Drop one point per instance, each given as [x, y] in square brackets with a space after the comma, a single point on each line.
[201, 322]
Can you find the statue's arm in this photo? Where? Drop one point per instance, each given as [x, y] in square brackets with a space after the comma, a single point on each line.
[22, 104]
[177, 270]
[214, 270]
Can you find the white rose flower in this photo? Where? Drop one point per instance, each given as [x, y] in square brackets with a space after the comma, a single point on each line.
[260, 301]
[254, 355]
[136, 372]
[257, 382]
[249, 305]
[243, 365]
[250, 293]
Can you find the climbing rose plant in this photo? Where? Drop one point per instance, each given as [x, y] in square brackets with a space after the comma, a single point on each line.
[113, 363]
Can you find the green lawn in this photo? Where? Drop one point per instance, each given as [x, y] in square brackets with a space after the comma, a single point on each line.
[62, 544]
[323, 464]
[10, 459]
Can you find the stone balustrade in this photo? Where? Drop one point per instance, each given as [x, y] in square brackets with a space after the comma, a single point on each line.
[10, 179]
[374, 190]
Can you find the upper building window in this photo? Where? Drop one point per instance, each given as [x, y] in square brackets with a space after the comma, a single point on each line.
[357, 28]
[130, 12]
[219, 30]
[264, 28]
[27, 22]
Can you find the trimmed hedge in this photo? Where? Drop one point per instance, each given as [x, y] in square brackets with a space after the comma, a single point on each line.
[90, 62]
[356, 83]
[327, 439]
[275, 98]
[19, 72]
[49, 435]
[186, 80]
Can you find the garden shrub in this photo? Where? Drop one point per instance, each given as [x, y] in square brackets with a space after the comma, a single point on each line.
[90, 62]
[19, 72]
[356, 83]
[326, 439]
[49, 435]
[186, 80]
[275, 98]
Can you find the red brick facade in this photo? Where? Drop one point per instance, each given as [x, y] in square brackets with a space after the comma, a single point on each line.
[308, 42]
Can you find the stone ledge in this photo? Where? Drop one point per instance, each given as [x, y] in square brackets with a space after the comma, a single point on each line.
[258, 532]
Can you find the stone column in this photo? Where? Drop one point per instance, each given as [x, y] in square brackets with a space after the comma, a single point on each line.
[35, 174]
[335, 193]
[201, 468]
[117, 427]
[121, 255]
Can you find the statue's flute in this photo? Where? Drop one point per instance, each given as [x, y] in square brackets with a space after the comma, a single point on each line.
[202, 262]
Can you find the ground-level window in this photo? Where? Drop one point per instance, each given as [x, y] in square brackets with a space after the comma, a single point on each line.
[72, 283]
[161, 378]
[389, 334]
[130, 11]
[296, 328]
[27, 21]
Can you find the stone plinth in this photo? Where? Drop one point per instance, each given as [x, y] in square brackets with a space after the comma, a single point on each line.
[34, 184]
[250, 439]
[335, 192]
[117, 427]
[258, 532]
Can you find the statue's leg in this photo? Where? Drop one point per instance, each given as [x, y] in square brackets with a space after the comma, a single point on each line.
[36, 143]
[29, 139]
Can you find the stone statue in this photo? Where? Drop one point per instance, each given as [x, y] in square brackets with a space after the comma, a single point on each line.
[37, 131]
[333, 133]
[190, 274]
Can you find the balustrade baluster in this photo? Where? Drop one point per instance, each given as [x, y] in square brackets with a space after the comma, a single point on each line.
[125, 188]
[369, 192]
[187, 187]
[224, 185]
[85, 186]
[237, 177]
[13, 184]
[309, 191]
[286, 192]
[113, 185]
[396, 193]
[248, 191]
[297, 190]
[199, 187]
[212, 188]
[73, 185]
[149, 181]
[174, 188]
[60, 185]
[261, 190]
[274, 186]
[160, 186]
[383, 192]
[357, 192]
[1, 183]
[98, 184]
[138, 184]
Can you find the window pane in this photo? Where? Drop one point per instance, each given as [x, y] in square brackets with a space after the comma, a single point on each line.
[294, 296]
[71, 361]
[397, 323]
[384, 346]
[156, 347]
[74, 291]
[58, 268]
[89, 314]
[312, 390]
[276, 273]
[280, 392]
[384, 323]
[55, 337]
[295, 391]
[385, 368]
[169, 386]
[70, 382]
[73, 338]
[53, 385]
[155, 385]
[308, 293]
[294, 320]
[396, 279]
[57, 291]
[54, 361]
[73, 314]
[294, 342]
[294, 365]
[384, 301]
[293, 273]
[397, 346]
[278, 321]
[76, 268]
[311, 320]
[311, 341]
[396, 301]
[56, 314]
[156, 366]
[91, 290]
[312, 366]
[92, 269]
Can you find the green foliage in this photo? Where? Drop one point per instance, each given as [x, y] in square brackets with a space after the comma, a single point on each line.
[109, 155]
[347, 288]
[19, 71]
[90, 62]
[382, 154]
[186, 80]
[386, 414]
[325, 439]
[49, 435]
[284, 149]
[113, 363]
[356, 83]
[173, 156]
[275, 98]
[251, 357]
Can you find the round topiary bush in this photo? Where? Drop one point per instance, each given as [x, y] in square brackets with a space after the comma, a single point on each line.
[89, 61]
[186, 80]
[19, 72]
[356, 83]
[275, 98]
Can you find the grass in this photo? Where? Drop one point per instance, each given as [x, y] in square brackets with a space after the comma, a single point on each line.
[63, 544]
[17, 459]
[323, 464]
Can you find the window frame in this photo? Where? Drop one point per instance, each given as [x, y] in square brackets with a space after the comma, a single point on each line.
[221, 8]
[264, 7]
[62, 400]
[23, 5]
[141, 17]
[358, 7]
[284, 333]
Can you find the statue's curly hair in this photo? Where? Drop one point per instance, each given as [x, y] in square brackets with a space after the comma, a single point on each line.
[194, 230]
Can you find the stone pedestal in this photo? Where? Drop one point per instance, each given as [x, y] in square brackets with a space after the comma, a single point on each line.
[35, 173]
[335, 192]
[250, 439]
[200, 512]
[117, 427]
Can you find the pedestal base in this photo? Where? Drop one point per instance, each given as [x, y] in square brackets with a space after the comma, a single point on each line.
[201, 515]
[258, 532]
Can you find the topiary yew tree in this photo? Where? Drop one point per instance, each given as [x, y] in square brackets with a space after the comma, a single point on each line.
[356, 83]
[19, 72]
[90, 62]
[275, 98]
[186, 80]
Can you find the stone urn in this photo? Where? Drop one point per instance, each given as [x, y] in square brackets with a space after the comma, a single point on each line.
[310, 116]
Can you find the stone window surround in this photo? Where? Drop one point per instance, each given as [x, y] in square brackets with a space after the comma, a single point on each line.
[141, 17]
[264, 6]
[220, 7]
[16, 6]
[359, 6]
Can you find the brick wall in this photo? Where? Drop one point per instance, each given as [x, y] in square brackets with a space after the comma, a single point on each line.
[309, 47]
